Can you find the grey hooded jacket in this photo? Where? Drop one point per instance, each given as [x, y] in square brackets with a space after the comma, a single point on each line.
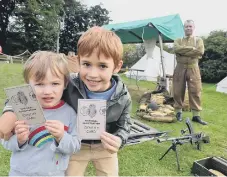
[118, 107]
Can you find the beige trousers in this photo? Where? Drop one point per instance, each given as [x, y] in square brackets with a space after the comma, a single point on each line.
[105, 163]
[192, 77]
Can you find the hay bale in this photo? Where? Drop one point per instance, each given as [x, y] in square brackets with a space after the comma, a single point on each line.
[169, 107]
[143, 107]
[157, 98]
[163, 113]
[167, 119]
[167, 111]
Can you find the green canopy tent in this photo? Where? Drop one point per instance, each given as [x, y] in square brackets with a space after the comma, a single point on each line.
[170, 27]
[163, 29]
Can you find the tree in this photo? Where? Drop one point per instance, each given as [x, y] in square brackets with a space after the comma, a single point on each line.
[98, 16]
[133, 53]
[140, 51]
[129, 54]
[75, 21]
[214, 62]
[34, 25]
[6, 8]
[78, 18]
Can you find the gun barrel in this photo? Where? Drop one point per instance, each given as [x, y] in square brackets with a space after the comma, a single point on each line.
[155, 134]
[142, 125]
[160, 140]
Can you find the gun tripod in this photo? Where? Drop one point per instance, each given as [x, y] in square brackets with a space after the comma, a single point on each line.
[174, 148]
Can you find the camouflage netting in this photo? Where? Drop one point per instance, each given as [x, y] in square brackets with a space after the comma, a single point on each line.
[158, 107]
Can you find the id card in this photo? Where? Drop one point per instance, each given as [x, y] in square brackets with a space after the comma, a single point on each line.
[91, 120]
[25, 105]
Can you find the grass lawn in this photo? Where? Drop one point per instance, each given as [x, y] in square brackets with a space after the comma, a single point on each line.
[142, 159]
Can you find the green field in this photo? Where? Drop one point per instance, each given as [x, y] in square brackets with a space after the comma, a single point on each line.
[142, 159]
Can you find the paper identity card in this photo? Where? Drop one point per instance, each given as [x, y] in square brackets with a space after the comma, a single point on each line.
[25, 105]
[91, 120]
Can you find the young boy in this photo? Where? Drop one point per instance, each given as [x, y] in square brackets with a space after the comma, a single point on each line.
[100, 56]
[45, 149]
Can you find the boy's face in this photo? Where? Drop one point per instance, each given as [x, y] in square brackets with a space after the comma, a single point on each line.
[96, 71]
[48, 91]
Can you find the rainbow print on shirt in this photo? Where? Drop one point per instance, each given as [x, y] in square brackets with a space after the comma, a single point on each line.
[41, 136]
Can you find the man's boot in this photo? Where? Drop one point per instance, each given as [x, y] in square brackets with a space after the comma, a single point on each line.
[199, 120]
[179, 116]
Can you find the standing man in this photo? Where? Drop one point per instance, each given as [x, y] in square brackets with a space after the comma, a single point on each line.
[188, 51]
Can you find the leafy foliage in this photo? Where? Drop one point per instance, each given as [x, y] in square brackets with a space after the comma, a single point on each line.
[132, 53]
[77, 20]
[6, 8]
[36, 25]
[214, 62]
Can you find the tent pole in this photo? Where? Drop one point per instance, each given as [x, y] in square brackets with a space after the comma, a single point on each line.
[161, 50]
[174, 64]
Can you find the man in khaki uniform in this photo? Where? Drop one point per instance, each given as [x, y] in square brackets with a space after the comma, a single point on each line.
[188, 51]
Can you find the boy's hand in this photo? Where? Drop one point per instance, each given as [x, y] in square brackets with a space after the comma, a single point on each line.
[111, 142]
[7, 124]
[22, 131]
[56, 128]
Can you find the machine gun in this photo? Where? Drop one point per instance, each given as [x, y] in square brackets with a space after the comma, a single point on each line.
[141, 132]
[194, 138]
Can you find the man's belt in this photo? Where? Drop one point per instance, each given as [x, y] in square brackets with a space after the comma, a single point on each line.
[91, 141]
[188, 66]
